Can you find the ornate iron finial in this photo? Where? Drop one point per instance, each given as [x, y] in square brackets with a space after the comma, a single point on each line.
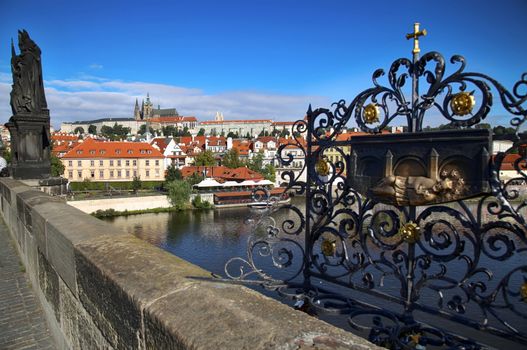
[415, 35]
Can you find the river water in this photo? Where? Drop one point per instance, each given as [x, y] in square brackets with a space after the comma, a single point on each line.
[209, 238]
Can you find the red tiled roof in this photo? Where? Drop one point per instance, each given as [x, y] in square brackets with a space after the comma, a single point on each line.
[283, 123]
[160, 142]
[95, 149]
[173, 119]
[274, 191]
[247, 121]
[223, 173]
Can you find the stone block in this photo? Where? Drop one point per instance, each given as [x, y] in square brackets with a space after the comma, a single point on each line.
[27, 200]
[69, 310]
[112, 310]
[49, 284]
[66, 227]
[31, 256]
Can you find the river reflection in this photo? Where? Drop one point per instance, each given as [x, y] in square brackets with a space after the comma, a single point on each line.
[210, 238]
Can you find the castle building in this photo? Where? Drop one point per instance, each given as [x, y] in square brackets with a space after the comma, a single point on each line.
[156, 118]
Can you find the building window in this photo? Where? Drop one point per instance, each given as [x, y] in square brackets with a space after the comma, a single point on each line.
[118, 173]
[92, 151]
[111, 173]
[157, 172]
[127, 173]
[70, 163]
[127, 162]
[79, 151]
[92, 174]
[130, 151]
[79, 163]
[118, 151]
[134, 162]
[101, 174]
[148, 173]
[111, 162]
[135, 173]
[70, 174]
[92, 163]
[119, 162]
[157, 162]
[79, 174]
[147, 162]
[101, 163]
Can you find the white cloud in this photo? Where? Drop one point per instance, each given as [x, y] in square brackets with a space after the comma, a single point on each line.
[95, 97]
[96, 66]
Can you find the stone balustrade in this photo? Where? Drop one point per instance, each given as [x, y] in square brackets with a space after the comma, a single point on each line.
[101, 288]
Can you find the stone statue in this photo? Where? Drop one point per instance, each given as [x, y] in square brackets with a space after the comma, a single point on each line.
[419, 190]
[27, 95]
[30, 124]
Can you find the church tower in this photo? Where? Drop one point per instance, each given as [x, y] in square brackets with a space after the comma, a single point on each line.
[148, 108]
[137, 113]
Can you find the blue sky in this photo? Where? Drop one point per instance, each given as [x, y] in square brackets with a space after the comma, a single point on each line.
[247, 59]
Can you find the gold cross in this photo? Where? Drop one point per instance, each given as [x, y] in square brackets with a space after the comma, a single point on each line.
[415, 35]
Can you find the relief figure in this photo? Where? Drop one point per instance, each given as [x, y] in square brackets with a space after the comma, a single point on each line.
[419, 190]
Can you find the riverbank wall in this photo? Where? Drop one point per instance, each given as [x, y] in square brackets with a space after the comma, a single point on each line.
[121, 203]
[101, 288]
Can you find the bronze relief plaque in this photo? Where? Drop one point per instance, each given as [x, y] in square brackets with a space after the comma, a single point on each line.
[421, 168]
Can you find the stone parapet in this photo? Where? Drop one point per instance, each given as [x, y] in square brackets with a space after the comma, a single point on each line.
[101, 288]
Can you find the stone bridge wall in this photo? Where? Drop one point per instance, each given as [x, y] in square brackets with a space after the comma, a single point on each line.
[101, 288]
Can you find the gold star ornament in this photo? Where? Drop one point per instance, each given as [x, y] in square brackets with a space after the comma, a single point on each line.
[410, 232]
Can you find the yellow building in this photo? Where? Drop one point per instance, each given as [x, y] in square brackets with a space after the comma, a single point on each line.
[113, 161]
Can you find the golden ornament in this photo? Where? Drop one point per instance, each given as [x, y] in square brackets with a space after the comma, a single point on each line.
[523, 291]
[410, 232]
[462, 103]
[329, 248]
[322, 167]
[371, 113]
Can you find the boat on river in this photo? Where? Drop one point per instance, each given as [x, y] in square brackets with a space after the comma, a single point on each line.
[250, 193]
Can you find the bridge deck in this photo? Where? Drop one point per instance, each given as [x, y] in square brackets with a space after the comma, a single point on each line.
[22, 322]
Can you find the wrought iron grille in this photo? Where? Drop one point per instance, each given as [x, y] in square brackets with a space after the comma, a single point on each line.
[415, 236]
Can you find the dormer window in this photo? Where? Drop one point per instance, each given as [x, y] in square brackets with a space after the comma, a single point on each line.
[117, 151]
[102, 151]
[92, 151]
[79, 151]
[130, 151]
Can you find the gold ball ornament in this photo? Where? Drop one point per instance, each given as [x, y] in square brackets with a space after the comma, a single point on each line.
[462, 103]
[329, 248]
[410, 232]
[322, 167]
[371, 113]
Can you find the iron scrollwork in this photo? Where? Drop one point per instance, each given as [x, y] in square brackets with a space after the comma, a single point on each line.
[386, 264]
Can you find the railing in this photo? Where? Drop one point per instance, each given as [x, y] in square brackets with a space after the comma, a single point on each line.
[414, 236]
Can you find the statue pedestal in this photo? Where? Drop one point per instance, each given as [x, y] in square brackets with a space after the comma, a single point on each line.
[54, 186]
[30, 145]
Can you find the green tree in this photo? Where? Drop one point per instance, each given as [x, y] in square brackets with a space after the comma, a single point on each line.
[57, 168]
[136, 184]
[195, 178]
[179, 194]
[483, 126]
[231, 159]
[256, 162]
[205, 158]
[186, 132]
[269, 172]
[168, 130]
[201, 132]
[173, 173]
[78, 130]
[142, 130]
[92, 129]
[199, 203]
[232, 134]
